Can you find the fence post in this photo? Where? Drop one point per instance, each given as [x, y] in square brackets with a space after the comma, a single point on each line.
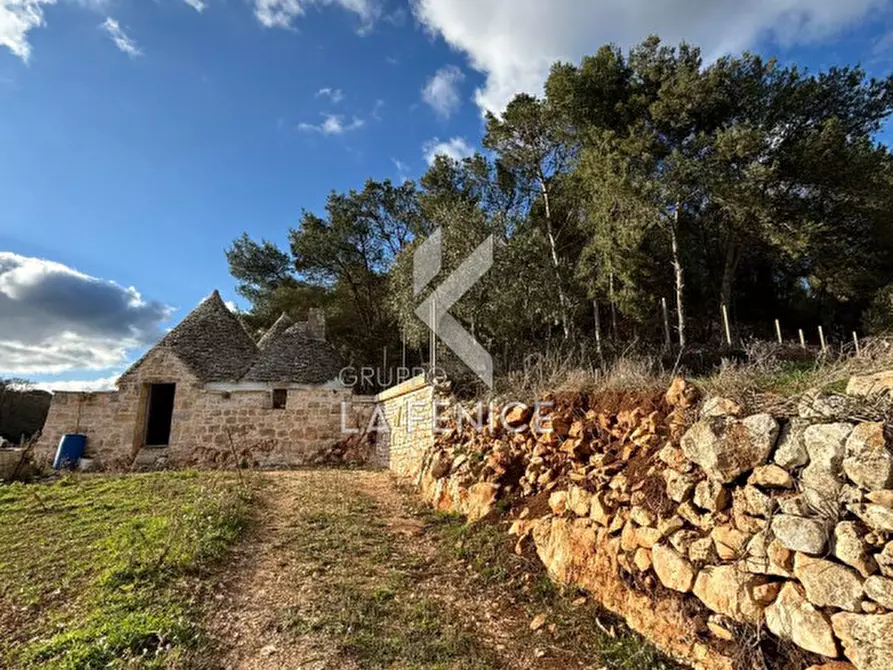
[802, 338]
[778, 331]
[856, 342]
[725, 321]
[667, 340]
[822, 339]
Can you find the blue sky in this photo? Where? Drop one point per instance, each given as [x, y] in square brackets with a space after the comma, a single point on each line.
[137, 139]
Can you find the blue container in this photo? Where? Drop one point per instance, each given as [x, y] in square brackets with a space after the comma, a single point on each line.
[70, 451]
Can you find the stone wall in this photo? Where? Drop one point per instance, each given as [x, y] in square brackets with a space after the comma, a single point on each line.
[208, 426]
[403, 422]
[706, 527]
[9, 462]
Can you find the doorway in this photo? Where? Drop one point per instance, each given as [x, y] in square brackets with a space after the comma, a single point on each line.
[160, 414]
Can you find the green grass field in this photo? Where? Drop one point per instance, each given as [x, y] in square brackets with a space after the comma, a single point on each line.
[100, 571]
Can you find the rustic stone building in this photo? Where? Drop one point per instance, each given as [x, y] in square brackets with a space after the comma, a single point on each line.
[206, 391]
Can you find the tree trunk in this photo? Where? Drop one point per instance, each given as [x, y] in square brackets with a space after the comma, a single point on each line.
[553, 246]
[613, 308]
[728, 274]
[598, 328]
[680, 276]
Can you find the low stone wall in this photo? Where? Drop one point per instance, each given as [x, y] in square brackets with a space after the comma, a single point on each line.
[403, 423]
[9, 462]
[698, 524]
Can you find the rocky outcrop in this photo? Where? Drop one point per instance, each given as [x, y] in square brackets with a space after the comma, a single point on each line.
[791, 531]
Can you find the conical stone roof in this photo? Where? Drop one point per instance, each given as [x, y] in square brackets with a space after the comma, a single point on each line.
[295, 358]
[282, 324]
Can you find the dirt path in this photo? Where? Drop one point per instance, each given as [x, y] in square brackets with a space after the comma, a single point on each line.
[340, 573]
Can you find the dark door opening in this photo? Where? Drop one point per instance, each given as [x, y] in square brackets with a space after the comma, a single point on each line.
[161, 411]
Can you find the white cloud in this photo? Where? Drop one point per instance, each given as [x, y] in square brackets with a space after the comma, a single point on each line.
[441, 91]
[197, 5]
[402, 170]
[456, 148]
[88, 385]
[121, 39]
[57, 319]
[336, 95]
[232, 306]
[333, 124]
[17, 17]
[514, 42]
[282, 13]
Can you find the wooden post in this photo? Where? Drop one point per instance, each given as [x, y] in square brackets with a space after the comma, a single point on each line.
[778, 331]
[598, 328]
[667, 340]
[856, 342]
[822, 338]
[725, 321]
[802, 338]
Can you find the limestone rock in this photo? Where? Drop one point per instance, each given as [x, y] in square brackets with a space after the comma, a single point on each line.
[679, 486]
[481, 500]
[518, 415]
[771, 476]
[869, 461]
[808, 536]
[727, 590]
[647, 537]
[578, 500]
[642, 560]
[599, 510]
[702, 551]
[876, 517]
[669, 526]
[674, 458]
[821, 480]
[681, 394]
[682, 540]
[822, 407]
[791, 452]
[829, 584]
[792, 617]
[726, 448]
[794, 505]
[711, 495]
[768, 557]
[754, 502]
[884, 498]
[885, 560]
[867, 639]
[880, 590]
[442, 466]
[558, 502]
[849, 547]
[866, 385]
[730, 542]
[674, 571]
[642, 516]
[835, 665]
[717, 407]
[719, 628]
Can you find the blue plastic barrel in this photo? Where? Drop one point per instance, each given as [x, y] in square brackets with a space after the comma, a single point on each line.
[70, 451]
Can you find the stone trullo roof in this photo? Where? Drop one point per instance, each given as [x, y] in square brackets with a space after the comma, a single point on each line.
[282, 324]
[296, 358]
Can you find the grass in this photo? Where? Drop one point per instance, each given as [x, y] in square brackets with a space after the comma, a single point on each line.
[585, 628]
[365, 598]
[104, 572]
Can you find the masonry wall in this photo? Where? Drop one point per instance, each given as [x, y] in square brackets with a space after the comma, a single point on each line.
[407, 411]
[207, 426]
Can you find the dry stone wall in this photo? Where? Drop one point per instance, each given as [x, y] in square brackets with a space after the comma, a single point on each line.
[403, 426]
[698, 523]
[208, 427]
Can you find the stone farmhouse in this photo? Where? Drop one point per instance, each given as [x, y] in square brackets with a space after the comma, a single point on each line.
[208, 391]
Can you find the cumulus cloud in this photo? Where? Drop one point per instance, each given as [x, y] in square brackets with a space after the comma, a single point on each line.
[121, 39]
[456, 148]
[88, 385]
[333, 124]
[283, 13]
[197, 5]
[336, 95]
[441, 91]
[17, 17]
[514, 42]
[57, 319]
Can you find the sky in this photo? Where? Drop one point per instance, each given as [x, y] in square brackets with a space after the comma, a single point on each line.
[138, 138]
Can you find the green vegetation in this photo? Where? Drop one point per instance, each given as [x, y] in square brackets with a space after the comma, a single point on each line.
[636, 177]
[366, 599]
[100, 571]
[589, 630]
